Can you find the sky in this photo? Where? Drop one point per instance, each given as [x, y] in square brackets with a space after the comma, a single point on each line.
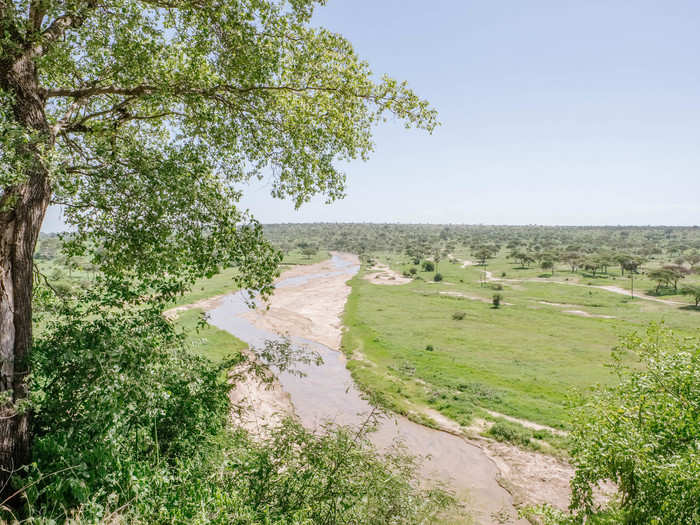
[552, 112]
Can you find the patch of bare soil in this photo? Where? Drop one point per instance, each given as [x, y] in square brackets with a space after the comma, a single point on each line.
[382, 274]
[582, 313]
[472, 297]
[563, 305]
[258, 402]
[204, 304]
[531, 477]
[527, 424]
[466, 296]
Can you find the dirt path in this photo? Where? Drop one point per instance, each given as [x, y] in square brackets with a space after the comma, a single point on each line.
[617, 289]
[381, 274]
[614, 289]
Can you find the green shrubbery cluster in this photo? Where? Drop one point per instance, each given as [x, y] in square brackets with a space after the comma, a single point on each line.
[643, 434]
[131, 427]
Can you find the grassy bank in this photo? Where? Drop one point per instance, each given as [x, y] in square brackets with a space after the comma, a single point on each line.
[522, 359]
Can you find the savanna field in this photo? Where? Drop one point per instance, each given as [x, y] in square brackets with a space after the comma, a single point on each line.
[314, 262]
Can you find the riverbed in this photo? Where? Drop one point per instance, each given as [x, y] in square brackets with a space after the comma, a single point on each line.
[306, 309]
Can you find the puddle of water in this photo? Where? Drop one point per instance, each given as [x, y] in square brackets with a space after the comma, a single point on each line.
[327, 393]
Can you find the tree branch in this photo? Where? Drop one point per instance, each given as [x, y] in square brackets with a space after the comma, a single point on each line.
[58, 28]
[147, 89]
[36, 16]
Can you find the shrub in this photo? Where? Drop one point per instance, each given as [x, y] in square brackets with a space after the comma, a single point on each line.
[429, 348]
[428, 266]
[132, 428]
[643, 432]
[511, 433]
[458, 316]
[437, 278]
[496, 286]
[496, 300]
[413, 270]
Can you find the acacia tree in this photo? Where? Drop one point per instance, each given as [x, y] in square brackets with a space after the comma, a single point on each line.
[694, 292]
[144, 118]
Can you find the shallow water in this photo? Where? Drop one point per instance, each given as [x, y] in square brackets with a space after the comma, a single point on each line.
[328, 393]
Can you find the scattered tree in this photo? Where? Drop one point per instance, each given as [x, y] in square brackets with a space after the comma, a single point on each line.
[692, 291]
[496, 300]
[547, 265]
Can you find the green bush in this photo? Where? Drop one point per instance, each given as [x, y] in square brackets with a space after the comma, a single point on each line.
[428, 266]
[458, 316]
[437, 278]
[511, 433]
[643, 432]
[131, 427]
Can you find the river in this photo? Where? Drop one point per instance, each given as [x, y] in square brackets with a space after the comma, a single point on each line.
[328, 393]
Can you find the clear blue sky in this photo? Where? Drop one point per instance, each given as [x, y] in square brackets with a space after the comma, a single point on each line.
[553, 112]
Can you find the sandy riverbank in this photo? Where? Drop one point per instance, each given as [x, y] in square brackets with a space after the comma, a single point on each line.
[311, 309]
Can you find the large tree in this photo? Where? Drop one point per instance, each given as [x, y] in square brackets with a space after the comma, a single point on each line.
[144, 119]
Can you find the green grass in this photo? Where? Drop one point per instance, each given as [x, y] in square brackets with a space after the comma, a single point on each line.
[522, 360]
[208, 341]
[220, 284]
[295, 257]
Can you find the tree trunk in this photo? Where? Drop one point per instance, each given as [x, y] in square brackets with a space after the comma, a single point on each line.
[22, 210]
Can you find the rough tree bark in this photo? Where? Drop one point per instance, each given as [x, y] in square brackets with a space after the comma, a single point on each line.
[22, 210]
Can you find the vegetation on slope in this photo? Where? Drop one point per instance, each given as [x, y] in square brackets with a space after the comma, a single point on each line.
[132, 426]
[643, 433]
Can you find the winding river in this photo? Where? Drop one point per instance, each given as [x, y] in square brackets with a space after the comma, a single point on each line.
[327, 393]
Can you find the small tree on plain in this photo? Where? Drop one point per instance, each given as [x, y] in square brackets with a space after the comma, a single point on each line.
[547, 265]
[693, 292]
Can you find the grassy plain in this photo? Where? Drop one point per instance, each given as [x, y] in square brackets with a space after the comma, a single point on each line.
[522, 359]
[207, 340]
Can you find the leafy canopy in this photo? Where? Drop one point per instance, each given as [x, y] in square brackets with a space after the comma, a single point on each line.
[160, 111]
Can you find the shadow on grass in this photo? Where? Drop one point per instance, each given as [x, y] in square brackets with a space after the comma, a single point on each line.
[589, 275]
[690, 308]
[661, 292]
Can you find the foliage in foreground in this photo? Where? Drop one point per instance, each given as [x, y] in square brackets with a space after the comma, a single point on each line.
[643, 434]
[131, 427]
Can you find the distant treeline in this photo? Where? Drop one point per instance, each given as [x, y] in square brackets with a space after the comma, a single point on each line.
[644, 241]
